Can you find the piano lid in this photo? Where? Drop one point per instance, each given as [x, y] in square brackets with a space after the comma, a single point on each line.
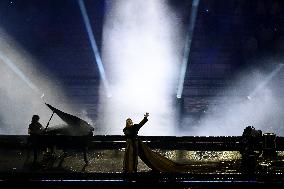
[71, 120]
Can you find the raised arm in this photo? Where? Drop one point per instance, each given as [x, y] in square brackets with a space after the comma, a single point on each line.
[144, 120]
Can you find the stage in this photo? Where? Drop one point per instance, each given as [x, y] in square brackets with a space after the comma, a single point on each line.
[219, 168]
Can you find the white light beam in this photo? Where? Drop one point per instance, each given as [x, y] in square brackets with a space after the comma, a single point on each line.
[19, 73]
[94, 46]
[267, 79]
[194, 10]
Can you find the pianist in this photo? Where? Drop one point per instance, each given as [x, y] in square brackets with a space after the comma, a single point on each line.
[35, 128]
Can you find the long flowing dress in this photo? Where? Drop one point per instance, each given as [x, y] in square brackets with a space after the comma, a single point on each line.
[135, 147]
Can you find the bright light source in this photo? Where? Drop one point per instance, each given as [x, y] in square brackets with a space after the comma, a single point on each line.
[139, 50]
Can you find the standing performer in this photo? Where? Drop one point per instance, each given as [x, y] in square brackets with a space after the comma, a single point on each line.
[135, 147]
[35, 128]
[131, 152]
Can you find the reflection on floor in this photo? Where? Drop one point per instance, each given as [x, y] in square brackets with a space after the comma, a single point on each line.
[209, 169]
[110, 161]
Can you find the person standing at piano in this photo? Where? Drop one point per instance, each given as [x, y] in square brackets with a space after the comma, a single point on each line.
[35, 129]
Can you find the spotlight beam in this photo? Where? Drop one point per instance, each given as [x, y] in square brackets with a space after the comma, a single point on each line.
[194, 10]
[18, 72]
[267, 79]
[94, 46]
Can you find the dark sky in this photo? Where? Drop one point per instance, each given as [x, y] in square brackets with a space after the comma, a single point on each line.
[52, 30]
[227, 33]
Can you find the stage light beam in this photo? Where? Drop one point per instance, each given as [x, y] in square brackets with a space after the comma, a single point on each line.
[264, 82]
[94, 46]
[194, 11]
[140, 45]
[18, 72]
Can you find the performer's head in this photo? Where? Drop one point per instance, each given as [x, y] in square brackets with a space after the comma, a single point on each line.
[129, 122]
[35, 118]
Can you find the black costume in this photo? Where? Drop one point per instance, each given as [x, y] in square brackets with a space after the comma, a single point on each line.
[35, 129]
[131, 151]
[135, 147]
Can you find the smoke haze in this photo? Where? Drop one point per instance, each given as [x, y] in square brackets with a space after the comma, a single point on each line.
[235, 108]
[21, 87]
[141, 54]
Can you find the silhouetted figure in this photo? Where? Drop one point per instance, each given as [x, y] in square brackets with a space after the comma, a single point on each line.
[35, 129]
[135, 147]
[131, 152]
[251, 141]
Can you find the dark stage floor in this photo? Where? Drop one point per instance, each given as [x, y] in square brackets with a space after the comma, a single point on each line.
[209, 169]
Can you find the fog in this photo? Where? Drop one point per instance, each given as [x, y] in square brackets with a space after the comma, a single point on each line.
[142, 55]
[22, 85]
[254, 98]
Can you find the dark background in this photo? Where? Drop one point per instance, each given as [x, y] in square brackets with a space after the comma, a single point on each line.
[228, 35]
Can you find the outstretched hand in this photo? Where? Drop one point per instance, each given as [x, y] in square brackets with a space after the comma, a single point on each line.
[146, 114]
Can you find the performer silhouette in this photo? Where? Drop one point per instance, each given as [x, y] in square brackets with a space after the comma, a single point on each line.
[135, 147]
[35, 130]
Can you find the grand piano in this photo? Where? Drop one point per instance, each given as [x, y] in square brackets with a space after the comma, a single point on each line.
[74, 135]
